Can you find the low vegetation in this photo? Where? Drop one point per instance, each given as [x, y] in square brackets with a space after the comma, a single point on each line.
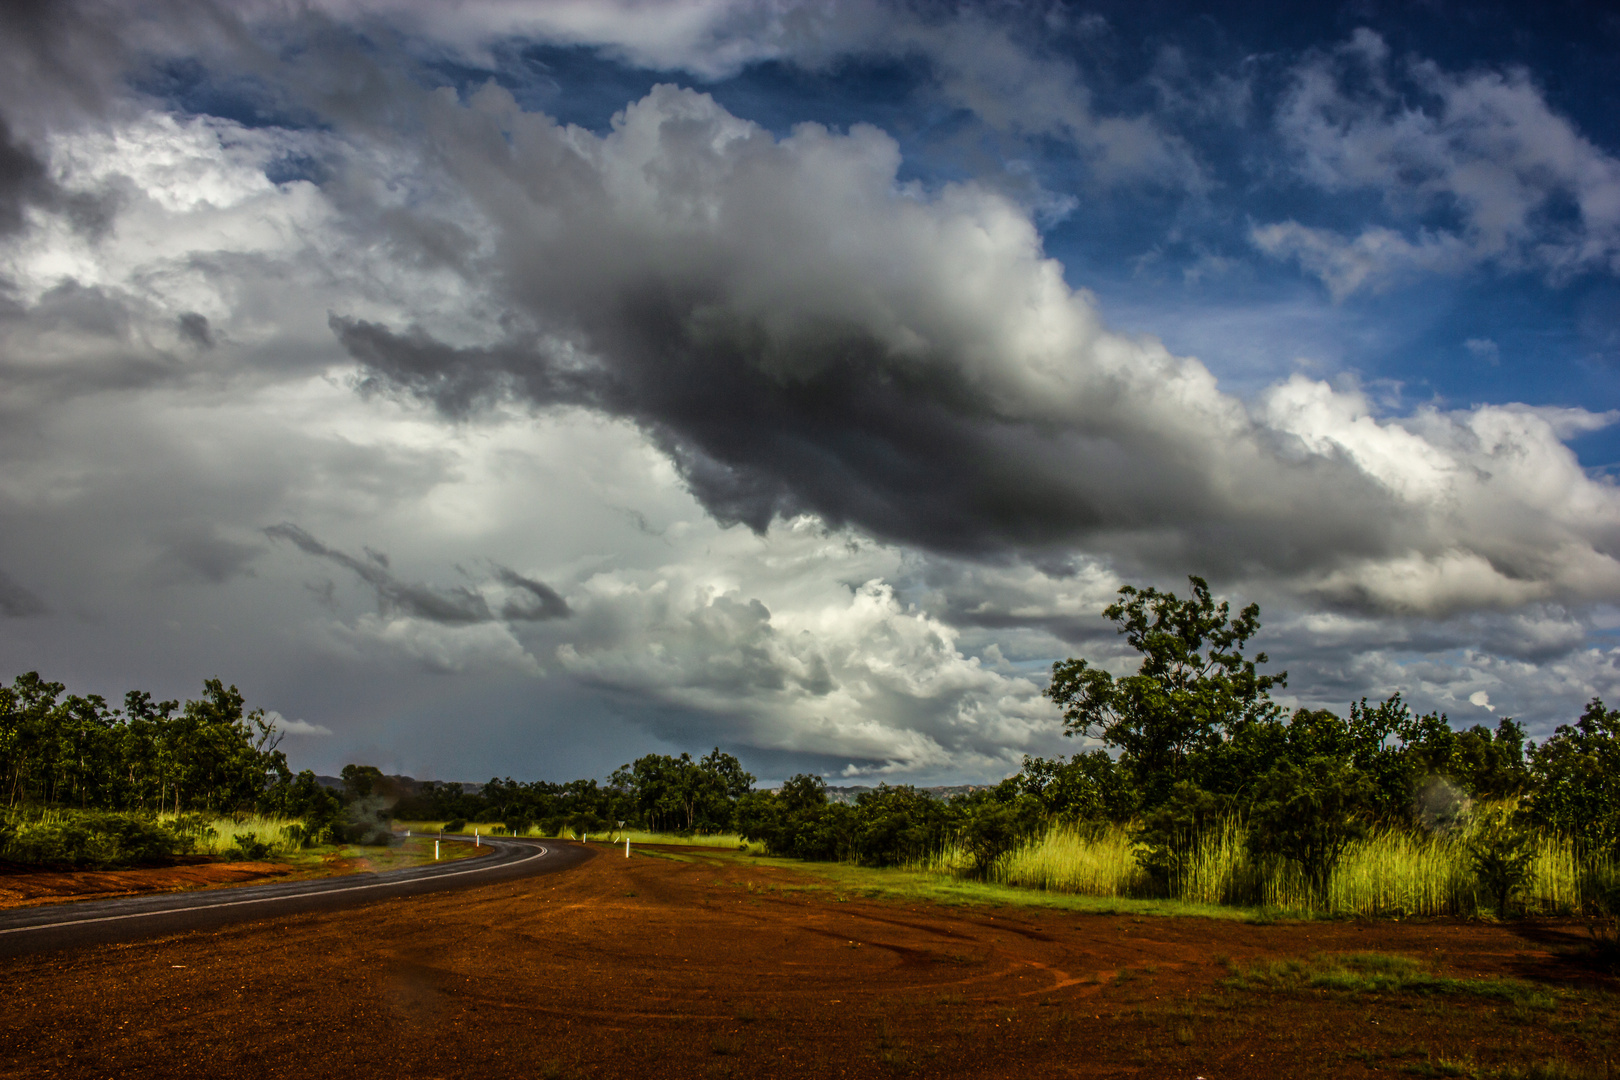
[1207, 792]
[1204, 792]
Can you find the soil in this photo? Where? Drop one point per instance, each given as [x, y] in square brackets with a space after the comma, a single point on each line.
[27, 886]
[22, 886]
[652, 967]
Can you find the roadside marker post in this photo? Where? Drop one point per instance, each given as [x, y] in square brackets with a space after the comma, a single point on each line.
[435, 851]
[475, 838]
[627, 847]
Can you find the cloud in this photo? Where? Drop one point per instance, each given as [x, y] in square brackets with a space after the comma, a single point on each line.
[851, 674]
[584, 356]
[994, 69]
[200, 553]
[295, 727]
[527, 600]
[1475, 169]
[486, 647]
[919, 369]
[532, 601]
[17, 602]
[456, 605]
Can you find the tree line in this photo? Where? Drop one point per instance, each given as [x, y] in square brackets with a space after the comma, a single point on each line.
[1189, 739]
[208, 755]
[656, 792]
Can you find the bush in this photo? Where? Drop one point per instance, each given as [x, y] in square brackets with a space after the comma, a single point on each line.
[1503, 857]
[93, 838]
[455, 824]
[247, 847]
[996, 828]
[1167, 836]
[1309, 813]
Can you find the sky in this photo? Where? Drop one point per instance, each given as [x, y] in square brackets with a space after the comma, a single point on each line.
[504, 388]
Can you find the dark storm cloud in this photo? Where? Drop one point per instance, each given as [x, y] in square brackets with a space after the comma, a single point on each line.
[534, 601]
[530, 600]
[25, 182]
[200, 553]
[195, 329]
[454, 606]
[22, 180]
[17, 602]
[907, 452]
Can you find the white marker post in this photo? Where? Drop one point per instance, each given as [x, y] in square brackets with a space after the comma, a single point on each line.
[627, 847]
[435, 851]
[475, 838]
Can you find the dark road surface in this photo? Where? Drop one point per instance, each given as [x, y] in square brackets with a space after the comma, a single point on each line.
[72, 925]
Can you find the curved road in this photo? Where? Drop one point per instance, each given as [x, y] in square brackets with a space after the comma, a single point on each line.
[95, 922]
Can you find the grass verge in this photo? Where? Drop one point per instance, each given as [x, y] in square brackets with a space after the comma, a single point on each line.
[1382, 973]
[845, 881]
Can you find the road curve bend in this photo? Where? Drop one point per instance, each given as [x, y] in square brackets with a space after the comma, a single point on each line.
[97, 922]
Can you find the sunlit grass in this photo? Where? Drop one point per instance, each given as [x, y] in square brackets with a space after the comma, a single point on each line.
[845, 881]
[1381, 973]
[1391, 872]
[727, 841]
[220, 835]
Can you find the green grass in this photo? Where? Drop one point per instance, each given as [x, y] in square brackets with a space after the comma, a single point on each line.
[1391, 872]
[725, 841]
[844, 881]
[219, 836]
[417, 851]
[1381, 973]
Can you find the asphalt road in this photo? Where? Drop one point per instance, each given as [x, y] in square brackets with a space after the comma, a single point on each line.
[97, 922]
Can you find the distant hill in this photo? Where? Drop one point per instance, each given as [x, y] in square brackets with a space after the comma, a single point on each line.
[402, 785]
[848, 794]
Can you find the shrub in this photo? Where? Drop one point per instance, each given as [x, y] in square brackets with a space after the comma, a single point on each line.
[1309, 813]
[94, 838]
[247, 847]
[1502, 857]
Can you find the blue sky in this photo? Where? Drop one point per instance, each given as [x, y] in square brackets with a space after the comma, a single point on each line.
[521, 387]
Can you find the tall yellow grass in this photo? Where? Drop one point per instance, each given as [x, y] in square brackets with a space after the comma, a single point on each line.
[219, 836]
[1391, 872]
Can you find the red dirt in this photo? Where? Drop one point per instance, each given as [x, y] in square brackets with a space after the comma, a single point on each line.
[649, 968]
[25, 887]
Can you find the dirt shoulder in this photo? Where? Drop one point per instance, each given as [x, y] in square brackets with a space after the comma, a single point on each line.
[23, 886]
[707, 967]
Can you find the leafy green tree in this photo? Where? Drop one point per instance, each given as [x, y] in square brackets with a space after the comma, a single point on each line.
[894, 824]
[795, 821]
[1309, 812]
[1503, 856]
[1491, 765]
[1166, 835]
[361, 781]
[683, 795]
[1575, 780]
[1193, 689]
[1086, 787]
[993, 827]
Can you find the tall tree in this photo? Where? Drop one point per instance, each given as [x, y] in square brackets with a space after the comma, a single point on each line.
[1193, 689]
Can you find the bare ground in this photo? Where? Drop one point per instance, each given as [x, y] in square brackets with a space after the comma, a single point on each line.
[27, 886]
[652, 968]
